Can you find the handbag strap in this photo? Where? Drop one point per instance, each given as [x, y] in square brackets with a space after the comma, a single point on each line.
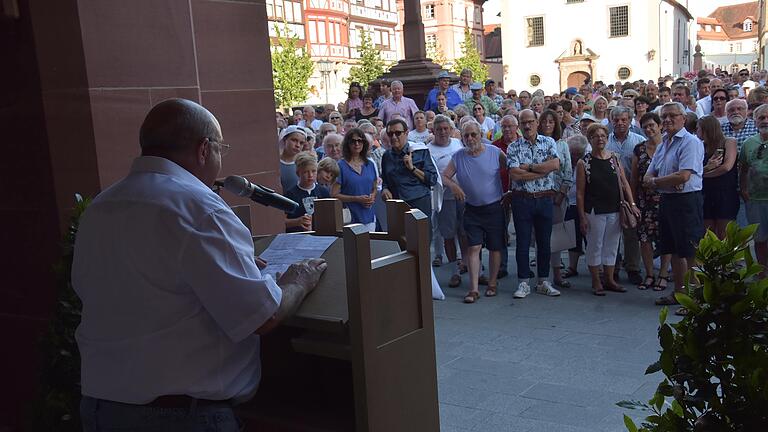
[619, 173]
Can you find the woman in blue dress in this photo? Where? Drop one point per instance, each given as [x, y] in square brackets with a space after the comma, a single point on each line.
[357, 181]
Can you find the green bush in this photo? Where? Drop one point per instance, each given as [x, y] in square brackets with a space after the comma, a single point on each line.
[57, 407]
[716, 358]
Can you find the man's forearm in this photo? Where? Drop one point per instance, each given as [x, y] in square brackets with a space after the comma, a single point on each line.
[293, 295]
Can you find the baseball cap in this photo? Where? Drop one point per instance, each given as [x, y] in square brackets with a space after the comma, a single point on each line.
[489, 82]
[588, 117]
[476, 86]
[571, 91]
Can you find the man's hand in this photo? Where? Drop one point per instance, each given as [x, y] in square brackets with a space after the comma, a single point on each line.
[260, 263]
[458, 192]
[386, 194]
[649, 183]
[305, 274]
[306, 222]
[408, 161]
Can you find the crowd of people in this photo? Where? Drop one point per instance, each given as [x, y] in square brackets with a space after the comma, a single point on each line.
[642, 169]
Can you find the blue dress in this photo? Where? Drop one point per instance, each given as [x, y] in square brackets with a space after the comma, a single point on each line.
[355, 184]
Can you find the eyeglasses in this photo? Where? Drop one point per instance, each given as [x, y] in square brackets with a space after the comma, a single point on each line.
[478, 109]
[335, 118]
[223, 148]
[357, 141]
[719, 99]
[743, 74]
[760, 150]
[581, 103]
[670, 116]
[471, 134]
[397, 133]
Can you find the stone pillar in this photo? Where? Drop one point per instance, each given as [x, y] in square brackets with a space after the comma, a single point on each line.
[418, 73]
[698, 62]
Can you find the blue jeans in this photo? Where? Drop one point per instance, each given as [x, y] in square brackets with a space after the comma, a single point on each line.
[99, 415]
[529, 214]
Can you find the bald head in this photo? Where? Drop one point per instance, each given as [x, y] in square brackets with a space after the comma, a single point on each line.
[176, 125]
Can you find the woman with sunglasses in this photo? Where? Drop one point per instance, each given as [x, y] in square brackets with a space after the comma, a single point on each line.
[720, 184]
[357, 181]
[719, 99]
[487, 125]
[337, 120]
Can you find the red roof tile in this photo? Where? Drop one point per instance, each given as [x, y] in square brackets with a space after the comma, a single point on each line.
[732, 18]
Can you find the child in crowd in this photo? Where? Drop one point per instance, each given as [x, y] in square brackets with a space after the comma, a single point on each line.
[327, 171]
[304, 193]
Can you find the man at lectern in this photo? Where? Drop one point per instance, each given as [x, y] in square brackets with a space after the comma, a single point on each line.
[173, 302]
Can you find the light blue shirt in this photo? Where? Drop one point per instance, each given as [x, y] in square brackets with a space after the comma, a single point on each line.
[683, 151]
[625, 149]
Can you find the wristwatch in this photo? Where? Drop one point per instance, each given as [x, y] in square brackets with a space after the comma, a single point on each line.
[530, 167]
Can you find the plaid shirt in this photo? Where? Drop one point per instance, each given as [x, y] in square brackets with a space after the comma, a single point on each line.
[749, 129]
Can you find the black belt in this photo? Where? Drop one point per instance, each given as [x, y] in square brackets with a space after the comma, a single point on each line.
[184, 401]
[546, 193]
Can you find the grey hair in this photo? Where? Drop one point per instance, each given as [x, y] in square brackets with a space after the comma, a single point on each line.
[736, 101]
[368, 128]
[470, 122]
[510, 117]
[618, 110]
[459, 109]
[396, 83]
[333, 135]
[759, 109]
[677, 105]
[577, 144]
[441, 118]
[465, 70]
[176, 125]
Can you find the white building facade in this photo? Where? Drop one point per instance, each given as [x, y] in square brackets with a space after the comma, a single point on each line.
[555, 44]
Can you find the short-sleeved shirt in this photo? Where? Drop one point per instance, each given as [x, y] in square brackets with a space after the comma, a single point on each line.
[523, 152]
[683, 151]
[416, 136]
[288, 176]
[757, 183]
[464, 94]
[488, 104]
[315, 125]
[406, 107]
[171, 294]
[625, 149]
[452, 98]
[355, 184]
[442, 156]
[748, 130]
[478, 175]
[305, 198]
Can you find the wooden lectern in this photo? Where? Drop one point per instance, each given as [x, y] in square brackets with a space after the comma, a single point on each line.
[359, 355]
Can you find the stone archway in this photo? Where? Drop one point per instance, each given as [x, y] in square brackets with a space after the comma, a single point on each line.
[576, 79]
[576, 64]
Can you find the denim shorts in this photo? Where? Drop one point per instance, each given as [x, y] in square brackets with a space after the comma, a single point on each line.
[757, 213]
[681, 223]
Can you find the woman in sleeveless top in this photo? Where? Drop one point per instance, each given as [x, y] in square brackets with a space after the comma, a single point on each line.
[720, 183]
[598, 199]
[648, 202]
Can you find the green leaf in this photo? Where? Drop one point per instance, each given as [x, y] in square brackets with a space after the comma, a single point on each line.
[629, 424]
[653, 368]
[708, 291]
[688, 302]
[677, 409]
[663, 315]
[471, 59]
[667, 364]
[665, 337]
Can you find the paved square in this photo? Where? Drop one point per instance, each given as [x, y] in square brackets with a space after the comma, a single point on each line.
[543, 363]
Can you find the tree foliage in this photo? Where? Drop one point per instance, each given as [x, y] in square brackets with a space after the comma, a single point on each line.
[471, 59]
[435, 52]
[291, 69]
[715, 360]
[370, 67]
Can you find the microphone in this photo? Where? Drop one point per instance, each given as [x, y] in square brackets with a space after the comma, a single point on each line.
[263, 195]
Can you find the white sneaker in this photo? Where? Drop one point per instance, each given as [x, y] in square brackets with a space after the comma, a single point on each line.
[546, 288]
[522, 290]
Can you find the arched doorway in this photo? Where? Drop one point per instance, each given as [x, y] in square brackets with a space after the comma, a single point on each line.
[576, 79]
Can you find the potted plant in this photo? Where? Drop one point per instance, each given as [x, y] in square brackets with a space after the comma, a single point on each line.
[715, 360]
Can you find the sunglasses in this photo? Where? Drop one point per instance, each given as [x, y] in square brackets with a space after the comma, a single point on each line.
[357, 141]
[398, 133]
[719, 99]
[471, 134]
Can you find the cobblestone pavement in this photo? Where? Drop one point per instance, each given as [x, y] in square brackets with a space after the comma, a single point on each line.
[543, 363]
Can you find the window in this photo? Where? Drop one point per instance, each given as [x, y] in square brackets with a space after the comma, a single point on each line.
[738, 47]
[429, 11]
[534, 80]
[535, 26]
[730, 47]
[619, 21]
[718, 29]
[747, 25]
[573, 1]
[624, 73]
[431, 42]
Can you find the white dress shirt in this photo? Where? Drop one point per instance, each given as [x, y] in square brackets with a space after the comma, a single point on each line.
[171, 294]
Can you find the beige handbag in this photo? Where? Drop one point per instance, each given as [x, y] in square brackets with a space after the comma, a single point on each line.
[563, 236]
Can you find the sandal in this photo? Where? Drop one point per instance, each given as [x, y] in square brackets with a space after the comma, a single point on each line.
[600, 292]
[562, 284]
[658, 286]
[570, 272]
[647, 283]
[491, 291]
[471, 297]
[438, 261]
[615, 288]
[669, 300]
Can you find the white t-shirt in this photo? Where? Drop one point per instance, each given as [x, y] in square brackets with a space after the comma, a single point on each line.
[171, 294]
[417, 136]
[442, 156]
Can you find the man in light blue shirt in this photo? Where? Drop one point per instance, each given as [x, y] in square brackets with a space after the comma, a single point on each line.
[676, 172]
[622, 142]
